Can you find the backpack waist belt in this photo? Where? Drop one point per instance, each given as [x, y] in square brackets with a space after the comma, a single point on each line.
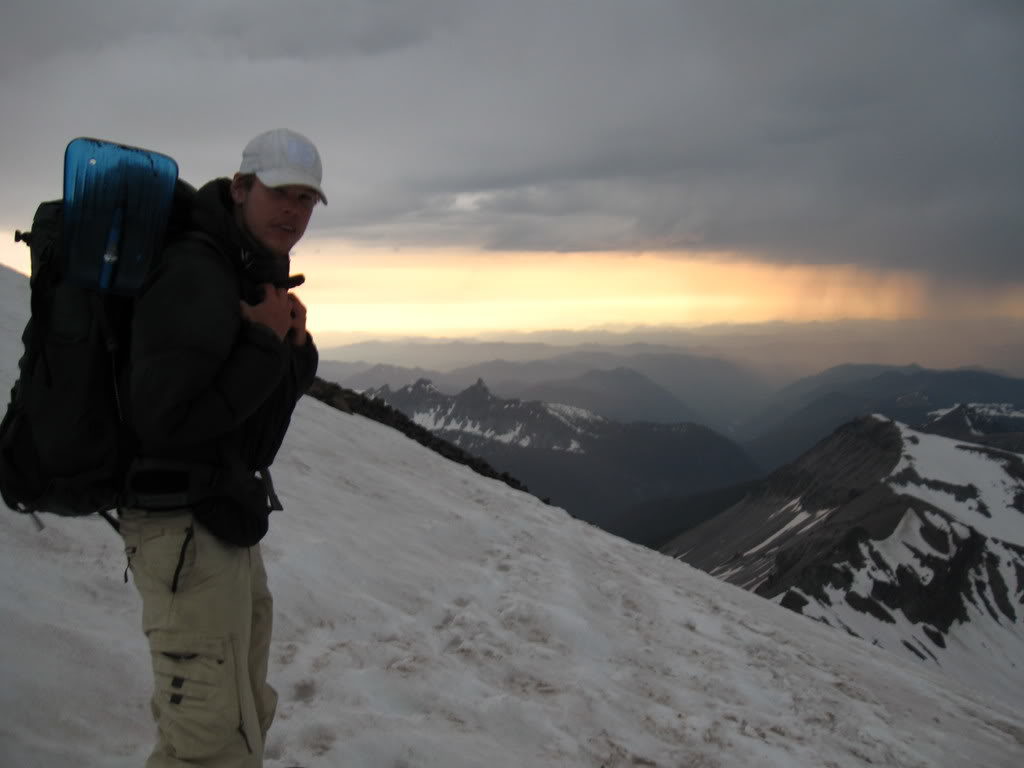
[158, 484]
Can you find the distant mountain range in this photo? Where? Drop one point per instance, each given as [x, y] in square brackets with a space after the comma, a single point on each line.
[910, 540]
[659, 387]
[810, 409]
[639, 386]
[594, 467]
[620, 394]
[779, 352]
[1000, 425]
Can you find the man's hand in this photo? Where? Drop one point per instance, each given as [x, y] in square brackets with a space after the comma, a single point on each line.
[297, 334]
[275, 311]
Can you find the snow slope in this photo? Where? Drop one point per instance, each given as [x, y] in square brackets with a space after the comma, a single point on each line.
[428, 617]
[912, 541]
[963, 512]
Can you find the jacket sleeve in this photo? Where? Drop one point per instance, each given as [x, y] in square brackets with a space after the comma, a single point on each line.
[305, 361]
[199, 370]
[265, 432]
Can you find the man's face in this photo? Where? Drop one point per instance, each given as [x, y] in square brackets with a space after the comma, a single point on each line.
[275, 216]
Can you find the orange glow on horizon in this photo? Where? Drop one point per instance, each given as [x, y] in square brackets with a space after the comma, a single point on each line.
[444, 292]
[360, 291]
[12, 254]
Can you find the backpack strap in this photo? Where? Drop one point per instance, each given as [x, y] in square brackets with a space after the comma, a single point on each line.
[233, 265]
[199, 236]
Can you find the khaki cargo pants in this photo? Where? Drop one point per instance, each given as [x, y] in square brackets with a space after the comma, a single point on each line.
[207, 614]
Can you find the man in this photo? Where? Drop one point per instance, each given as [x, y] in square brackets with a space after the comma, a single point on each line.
[219, 357]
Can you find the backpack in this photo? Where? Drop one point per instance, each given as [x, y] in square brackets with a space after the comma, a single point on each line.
[65, 440]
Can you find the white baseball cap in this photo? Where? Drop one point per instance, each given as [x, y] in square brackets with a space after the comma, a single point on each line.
[282, 157]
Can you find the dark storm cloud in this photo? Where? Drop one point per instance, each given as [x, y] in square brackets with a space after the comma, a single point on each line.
[302, 29]
[866, 132]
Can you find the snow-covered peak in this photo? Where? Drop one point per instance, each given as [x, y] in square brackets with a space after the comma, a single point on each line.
[573, 416]
[1005, 410]
[980, 487]
[912, 541]
[422, 386]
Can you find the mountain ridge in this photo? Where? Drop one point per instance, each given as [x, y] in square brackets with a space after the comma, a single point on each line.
[809, 410]
[910, 540]
[596, 468]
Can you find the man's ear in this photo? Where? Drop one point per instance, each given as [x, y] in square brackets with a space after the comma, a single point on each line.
[239, 189]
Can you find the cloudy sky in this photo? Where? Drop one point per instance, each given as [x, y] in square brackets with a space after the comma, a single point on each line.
[568, 163]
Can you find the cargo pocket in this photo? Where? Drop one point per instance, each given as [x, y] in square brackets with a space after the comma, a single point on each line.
[195, 697]
[162, 556]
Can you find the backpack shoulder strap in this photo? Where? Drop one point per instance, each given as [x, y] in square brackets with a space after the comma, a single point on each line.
[232, 265]
[199, 236]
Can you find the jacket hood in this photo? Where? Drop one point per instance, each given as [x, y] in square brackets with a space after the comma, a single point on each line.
[213, 212]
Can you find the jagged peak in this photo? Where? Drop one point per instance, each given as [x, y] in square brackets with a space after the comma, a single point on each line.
[422, 384]
[479, 389]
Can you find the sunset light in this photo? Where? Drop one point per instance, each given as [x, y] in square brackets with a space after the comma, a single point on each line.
[433, 292]
[356, 291]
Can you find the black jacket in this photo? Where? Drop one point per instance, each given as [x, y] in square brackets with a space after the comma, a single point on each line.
[207, 387]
